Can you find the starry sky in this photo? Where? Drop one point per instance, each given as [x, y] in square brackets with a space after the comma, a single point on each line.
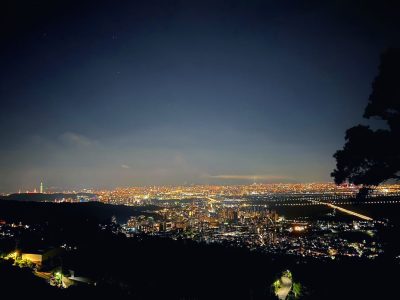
[121, 93]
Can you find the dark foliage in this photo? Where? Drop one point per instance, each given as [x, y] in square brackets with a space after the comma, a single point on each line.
[370, 157]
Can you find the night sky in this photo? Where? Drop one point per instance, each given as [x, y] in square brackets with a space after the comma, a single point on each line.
[118, 93]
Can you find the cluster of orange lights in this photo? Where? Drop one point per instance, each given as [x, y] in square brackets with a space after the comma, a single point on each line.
[299, 228]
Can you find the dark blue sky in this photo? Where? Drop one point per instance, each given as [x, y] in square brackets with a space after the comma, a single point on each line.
[105, 94]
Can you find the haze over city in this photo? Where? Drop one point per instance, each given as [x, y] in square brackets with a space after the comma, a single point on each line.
[183, 92]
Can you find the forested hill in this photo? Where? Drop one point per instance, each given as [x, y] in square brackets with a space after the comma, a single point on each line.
[49, 197]
[33, 212]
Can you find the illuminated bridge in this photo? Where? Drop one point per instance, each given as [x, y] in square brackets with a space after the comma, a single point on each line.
[347, 211]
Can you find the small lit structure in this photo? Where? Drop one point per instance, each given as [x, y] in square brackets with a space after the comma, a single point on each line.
[40, 257]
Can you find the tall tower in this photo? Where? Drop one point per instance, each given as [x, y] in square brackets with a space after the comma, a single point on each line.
[41, 187]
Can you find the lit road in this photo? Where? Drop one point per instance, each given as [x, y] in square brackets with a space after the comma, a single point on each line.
[211, 200]
[347, 211]
[44, 275]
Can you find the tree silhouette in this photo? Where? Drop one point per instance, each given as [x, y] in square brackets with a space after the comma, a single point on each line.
[370, 157]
